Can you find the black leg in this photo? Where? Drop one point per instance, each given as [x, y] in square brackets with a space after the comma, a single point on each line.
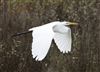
[18, 34]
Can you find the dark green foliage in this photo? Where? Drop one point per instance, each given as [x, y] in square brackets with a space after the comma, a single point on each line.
[20, 15]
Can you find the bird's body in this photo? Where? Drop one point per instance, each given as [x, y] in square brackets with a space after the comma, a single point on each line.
[43, 36]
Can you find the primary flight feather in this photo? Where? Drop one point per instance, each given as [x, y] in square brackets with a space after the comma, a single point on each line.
[43, 36]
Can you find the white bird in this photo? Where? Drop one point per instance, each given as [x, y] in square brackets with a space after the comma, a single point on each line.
[44, 34]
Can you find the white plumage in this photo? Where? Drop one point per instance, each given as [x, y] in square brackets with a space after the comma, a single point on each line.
[43, 36]
[62, 38]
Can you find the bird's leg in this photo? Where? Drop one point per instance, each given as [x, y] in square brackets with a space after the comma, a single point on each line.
[18, 34]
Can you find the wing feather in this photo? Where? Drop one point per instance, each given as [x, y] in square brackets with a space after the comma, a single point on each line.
[42, 38]
[62, 38]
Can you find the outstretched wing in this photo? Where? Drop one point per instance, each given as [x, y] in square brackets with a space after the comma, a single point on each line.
[42, 38]
[62, 38]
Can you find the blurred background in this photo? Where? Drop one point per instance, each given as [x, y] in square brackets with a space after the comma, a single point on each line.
[19, 15]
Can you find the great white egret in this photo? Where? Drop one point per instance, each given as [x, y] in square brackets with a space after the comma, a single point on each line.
[43, 36]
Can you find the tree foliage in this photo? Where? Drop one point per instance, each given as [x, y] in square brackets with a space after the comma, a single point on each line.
[20, 15]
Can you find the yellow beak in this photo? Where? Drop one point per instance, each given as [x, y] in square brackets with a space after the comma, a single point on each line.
[72, 23]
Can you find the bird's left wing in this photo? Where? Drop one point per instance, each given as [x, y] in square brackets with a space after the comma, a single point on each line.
[42, 38]
[62, 38]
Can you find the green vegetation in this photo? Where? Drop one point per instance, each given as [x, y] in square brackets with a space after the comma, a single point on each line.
[20, 15]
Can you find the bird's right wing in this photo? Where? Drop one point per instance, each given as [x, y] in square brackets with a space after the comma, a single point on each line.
[42, 38]
[62, 38]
